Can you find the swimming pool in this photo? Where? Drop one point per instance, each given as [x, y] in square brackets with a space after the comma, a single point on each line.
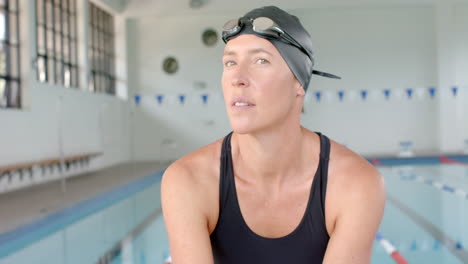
[426, 213]
[425, 220]
[88, 231]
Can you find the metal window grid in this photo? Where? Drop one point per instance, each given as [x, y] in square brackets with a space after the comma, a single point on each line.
[101, 50]
[57, 40]
[10, 83]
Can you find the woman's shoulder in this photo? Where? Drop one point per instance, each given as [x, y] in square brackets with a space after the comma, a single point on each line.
[352, 181]
[190, 190]
[198, 168]
[343, 159]
[350, 173]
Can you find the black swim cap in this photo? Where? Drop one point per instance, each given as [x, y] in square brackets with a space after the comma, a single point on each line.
[300, 64]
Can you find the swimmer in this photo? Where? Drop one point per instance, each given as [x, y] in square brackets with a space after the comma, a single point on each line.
[271, 191]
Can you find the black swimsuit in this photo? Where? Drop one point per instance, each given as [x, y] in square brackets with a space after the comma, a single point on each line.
[233, 241]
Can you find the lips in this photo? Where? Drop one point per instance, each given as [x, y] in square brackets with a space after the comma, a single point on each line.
[241, 104]
[241, 101]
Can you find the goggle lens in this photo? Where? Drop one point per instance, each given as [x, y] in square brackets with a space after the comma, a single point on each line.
[231, 24]
[263, 23]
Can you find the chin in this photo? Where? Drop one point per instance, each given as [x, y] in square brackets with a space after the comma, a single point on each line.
[242, 131]
[240, 127]
[243, 128]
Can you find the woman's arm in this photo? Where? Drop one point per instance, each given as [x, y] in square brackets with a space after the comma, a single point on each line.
[361, 207]
[184, 208]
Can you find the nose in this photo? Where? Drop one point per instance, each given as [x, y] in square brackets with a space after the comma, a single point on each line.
[240, 77]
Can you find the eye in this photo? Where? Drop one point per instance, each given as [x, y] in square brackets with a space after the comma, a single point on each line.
[261, 61]
[229, 63]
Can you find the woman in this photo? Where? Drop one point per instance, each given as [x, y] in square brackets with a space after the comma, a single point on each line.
[271, 191]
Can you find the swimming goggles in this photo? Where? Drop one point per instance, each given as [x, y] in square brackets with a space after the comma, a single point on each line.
[265, 26]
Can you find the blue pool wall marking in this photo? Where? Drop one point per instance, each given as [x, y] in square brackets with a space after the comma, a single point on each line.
[454, 91]
[318, 95]
[205, 98]
[27, 234]
[387, 94]
[341, 95]
[160, 98]
[407, 94]
[137, 99]
[182, 99]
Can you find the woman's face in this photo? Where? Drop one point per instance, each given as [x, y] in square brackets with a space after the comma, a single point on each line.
[260, 91]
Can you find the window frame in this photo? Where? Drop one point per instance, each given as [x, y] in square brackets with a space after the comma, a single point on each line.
[101, 50]
[10, 97]
[56, 30]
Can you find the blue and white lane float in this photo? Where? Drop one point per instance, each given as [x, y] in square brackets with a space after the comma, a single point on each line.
[442, 186]
[390, 249]
[168, 260]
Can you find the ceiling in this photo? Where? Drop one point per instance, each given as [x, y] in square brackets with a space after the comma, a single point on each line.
[182, 7]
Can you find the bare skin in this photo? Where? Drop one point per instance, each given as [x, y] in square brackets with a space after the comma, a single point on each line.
[274, 160]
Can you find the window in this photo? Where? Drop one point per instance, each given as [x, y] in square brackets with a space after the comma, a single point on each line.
[101, 50]
[57, 42]
[9, 55]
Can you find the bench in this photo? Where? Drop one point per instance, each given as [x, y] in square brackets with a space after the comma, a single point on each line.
[12, 176]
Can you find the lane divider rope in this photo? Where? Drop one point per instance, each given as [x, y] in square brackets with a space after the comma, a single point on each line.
[443, 187]
[390, 249]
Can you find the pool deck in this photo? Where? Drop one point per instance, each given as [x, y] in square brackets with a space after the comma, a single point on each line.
[22, 207]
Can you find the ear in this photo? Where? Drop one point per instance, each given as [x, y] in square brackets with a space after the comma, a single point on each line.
[299, 89]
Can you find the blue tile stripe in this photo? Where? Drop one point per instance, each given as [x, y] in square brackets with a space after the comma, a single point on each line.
[453, 159]
[27, 234]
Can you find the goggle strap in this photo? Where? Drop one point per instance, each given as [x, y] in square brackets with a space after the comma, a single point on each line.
[324, 74]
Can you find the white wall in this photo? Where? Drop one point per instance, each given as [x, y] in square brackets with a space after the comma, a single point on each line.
[83, 121]
[116, 5]
[452, 50]
[169, 130]
[373, 47]
[461, 40]
[461, 68]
